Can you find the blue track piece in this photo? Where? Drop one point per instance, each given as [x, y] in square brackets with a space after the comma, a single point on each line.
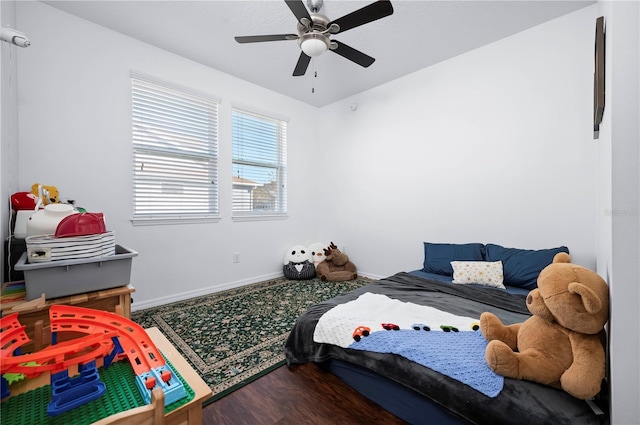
[67, 393]
[4, 386]
[173, 389]
[117, 349]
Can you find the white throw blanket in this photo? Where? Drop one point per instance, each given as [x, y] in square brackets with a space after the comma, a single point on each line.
[458, 353]
[371, 310]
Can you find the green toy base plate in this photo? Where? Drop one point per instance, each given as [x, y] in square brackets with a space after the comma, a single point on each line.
[122, 394]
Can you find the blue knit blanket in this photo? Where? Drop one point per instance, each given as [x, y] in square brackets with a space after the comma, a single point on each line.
[451, 346]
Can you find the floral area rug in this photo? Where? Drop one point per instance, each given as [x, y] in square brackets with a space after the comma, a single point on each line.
[236, 336]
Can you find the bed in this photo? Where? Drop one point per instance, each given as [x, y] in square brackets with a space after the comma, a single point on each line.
[410, 343]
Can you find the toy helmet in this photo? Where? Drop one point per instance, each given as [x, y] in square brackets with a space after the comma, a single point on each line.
[80, 225]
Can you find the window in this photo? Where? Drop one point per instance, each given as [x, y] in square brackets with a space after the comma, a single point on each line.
[175, 153]
[259, 165]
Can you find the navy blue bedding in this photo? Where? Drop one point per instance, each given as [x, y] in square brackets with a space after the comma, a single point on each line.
[449, 279]
[403, 402]
[520, 402]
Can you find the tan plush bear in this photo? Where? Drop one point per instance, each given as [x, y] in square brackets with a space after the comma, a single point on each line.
[561, 344]
[49, 194]
[336, 266]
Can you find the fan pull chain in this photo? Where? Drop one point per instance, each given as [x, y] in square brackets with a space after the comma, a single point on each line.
[315, 74]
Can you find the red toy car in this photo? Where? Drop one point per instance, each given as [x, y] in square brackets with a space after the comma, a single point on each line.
[391, 326]
[360, 332]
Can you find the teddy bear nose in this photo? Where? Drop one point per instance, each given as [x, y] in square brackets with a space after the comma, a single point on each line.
[529, 299]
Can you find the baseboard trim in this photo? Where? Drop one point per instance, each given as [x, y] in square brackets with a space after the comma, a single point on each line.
[372, 276]
[155, 302]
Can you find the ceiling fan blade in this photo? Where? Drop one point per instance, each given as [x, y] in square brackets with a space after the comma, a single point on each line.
[352, 54]
[301, 66]
[367, 14]
[299, 9]
[260, 38]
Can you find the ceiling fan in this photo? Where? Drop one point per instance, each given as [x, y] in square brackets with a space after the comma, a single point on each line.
[314, 31]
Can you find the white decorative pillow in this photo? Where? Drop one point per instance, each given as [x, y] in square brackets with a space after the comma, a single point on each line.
[480, 272]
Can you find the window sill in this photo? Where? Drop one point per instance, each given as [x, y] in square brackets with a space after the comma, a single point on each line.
[173, 220]
[260, 217]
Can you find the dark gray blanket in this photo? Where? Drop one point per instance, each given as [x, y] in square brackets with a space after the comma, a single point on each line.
[520, 402]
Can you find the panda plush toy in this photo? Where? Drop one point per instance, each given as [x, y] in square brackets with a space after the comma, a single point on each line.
[298, 264]
[317, 252]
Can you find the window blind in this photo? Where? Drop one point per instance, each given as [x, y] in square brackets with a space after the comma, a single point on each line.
[175, 152]
[259, 164]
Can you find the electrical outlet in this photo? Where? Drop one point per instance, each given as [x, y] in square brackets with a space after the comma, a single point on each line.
[236, 257]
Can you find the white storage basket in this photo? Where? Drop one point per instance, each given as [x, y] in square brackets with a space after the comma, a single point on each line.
[43, 248]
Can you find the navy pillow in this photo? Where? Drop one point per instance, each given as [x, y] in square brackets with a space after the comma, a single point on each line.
[438, 256]
[521, 267]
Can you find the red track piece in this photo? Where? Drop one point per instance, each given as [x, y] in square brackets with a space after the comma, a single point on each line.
[106, 335]
[100, 327]
[12, 337]
[56, 358]
[53, 358]
[138, 347]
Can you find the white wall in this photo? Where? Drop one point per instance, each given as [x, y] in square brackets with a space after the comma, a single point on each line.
[501, 130]
[619, 203]
[8, 119]
[493, 146]
[75, 133]
[504, 130]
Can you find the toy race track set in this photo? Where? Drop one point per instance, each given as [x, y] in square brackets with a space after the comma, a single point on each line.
[107, 337]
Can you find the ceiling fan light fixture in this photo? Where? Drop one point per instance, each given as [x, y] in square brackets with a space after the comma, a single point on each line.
[314, 29]
[314, 44]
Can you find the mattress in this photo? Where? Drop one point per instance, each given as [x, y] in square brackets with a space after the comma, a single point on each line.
[517, 402]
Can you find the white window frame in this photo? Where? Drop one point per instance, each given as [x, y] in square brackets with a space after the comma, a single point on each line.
[274, 161]
[175, 134]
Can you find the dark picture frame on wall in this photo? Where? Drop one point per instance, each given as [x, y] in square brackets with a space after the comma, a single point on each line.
[598, 77]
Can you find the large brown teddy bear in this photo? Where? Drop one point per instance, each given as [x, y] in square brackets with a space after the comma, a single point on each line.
[336, 266]
[561, 344]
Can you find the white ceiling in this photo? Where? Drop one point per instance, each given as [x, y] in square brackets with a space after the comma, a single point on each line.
[420, 33]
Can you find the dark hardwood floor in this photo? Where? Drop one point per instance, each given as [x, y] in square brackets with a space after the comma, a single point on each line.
[305, 395]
